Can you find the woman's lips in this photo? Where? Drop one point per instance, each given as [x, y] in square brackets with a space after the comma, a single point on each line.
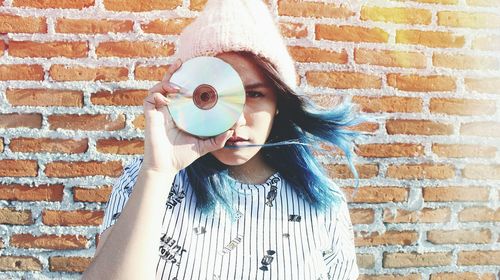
[236, 143]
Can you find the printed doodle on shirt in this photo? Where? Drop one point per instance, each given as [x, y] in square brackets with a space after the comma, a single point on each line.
[170, 250]
[267, 260]
[271, 195]
[175, 196]
[231, 245]
[294, 218]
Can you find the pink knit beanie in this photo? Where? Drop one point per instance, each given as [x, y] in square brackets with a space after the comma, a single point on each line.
[237, 25]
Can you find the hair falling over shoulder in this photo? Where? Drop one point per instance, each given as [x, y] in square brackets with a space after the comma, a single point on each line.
[299, 120]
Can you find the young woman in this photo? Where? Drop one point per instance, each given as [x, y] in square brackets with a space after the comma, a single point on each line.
[216, 209]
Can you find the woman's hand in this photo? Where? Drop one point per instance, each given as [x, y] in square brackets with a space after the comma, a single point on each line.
[166, 148]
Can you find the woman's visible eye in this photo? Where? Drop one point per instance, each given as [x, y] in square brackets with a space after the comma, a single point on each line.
[254, 94]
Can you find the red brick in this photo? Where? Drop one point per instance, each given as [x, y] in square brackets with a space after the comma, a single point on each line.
[30, 72]
[18, 168]
[390, 277]
[343, 80]
[150, 73]
[122, 97]
[396, 15]
[391, 237]
[342, 171]
[69, 264]
[308, 54]
[491, 257]
[468, 19]
[44, 97]
[433, 39]
[91, 195]
[11, 216]
[390, 58]
[52, 241]
[463, 107]
[421, 171]
[459, 236]
[376, 194]
[463, 150]
[141, 6]
[134, 49]
[413, 259]
[426, 215]
[479, 214]
[197, 5]
[418, 127]
[18, 24]
[28, 193]
[48, 145]
[351, 34]
[48, 49]
[362, 216]
[462, 276]
[122, 147]
[421, 83]
[63, 169]
[86, 122]
[92, 26]
[388, 104]
[16, 120]
[63, 4]
[390, 150]
[80, 73]
[20, 263]
[166, 27]
[297, 8]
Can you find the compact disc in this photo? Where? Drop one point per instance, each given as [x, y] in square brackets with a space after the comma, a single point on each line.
[211, 98]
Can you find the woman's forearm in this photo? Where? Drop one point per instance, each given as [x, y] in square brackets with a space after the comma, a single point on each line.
[131, 247]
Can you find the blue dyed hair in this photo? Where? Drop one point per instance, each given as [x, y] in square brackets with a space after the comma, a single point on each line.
[301, 120]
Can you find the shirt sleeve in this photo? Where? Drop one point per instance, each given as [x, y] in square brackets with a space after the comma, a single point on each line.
[340, 258]
[122, 188]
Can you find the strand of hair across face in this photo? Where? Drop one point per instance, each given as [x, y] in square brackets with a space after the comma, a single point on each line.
[281, 143]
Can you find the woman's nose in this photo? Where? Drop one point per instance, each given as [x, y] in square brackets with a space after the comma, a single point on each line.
[241, 121]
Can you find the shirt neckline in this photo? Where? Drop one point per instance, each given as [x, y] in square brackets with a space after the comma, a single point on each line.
[266, 184]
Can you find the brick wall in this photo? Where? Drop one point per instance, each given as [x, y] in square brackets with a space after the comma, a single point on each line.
[73, 75]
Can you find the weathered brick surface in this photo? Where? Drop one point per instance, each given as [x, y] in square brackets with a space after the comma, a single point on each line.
[74, 74]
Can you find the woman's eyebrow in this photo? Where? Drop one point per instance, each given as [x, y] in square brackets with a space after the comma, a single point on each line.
[255, 85]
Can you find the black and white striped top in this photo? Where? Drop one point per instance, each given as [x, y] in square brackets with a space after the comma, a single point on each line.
[277, 235]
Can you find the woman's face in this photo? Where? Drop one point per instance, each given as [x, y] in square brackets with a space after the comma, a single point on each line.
[255, 123]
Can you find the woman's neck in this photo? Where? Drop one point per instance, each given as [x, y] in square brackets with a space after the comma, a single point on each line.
[255, 171]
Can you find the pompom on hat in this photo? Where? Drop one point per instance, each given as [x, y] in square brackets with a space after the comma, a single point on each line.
[237, 25]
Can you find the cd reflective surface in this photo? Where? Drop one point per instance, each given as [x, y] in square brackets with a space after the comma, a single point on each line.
[212, 96]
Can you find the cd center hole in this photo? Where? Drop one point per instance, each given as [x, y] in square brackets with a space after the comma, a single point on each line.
[205, 96]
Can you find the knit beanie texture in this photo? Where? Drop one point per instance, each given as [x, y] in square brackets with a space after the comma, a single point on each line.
[237, 25]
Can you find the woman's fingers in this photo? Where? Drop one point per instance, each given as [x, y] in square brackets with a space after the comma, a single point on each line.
[165, 87]
[214, 143]
[171, 70]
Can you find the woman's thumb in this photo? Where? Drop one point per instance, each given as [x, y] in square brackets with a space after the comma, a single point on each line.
[215, 143]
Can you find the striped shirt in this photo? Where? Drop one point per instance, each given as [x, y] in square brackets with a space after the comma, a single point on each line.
[277, 234]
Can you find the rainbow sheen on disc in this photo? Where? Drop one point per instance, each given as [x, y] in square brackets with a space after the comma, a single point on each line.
[212, 96]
